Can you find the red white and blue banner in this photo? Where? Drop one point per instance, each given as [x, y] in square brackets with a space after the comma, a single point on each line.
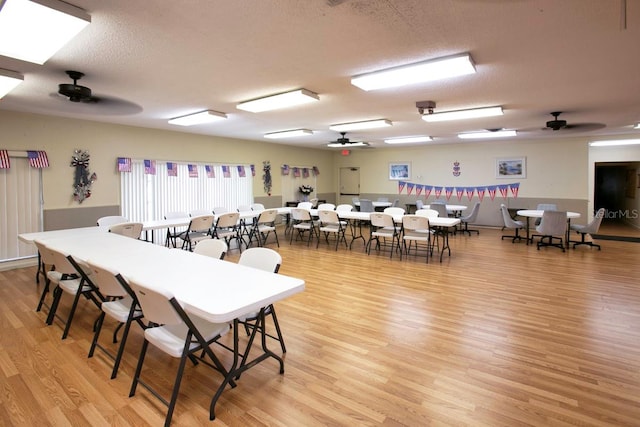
[124, 164]
[172, 169]
[210, 172]
[193, 171]
[460, 192]
[5, 163]
[38, 159]
[150, 167]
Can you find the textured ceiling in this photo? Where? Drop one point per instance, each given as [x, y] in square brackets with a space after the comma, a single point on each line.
[151, 61]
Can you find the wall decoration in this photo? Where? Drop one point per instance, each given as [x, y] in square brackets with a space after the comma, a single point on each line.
[266, 176]
[456, 168]
[449, 191]
[511, 167]
[401, 170]
[82, 180]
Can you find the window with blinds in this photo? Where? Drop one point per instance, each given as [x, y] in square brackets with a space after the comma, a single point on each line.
[181, 187]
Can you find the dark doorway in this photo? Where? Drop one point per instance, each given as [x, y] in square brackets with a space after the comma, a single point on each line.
[609, 193]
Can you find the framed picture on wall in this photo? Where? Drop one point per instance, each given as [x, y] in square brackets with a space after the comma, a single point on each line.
[511, 167]
[400, 170]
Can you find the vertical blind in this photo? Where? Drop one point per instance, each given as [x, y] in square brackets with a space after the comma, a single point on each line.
[21, 190]
[147, 197]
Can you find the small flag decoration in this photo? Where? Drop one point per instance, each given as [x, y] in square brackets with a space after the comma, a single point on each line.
[172, 169]
[210, 172]
[253, 170]
[285, 169]
[316, 171]
[226, 171]
[241, 172]
[5, 163]
[124, 164]
[38, 159]
[193, 171]
[150, 167]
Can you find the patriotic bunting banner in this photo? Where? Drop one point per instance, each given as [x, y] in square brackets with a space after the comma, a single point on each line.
[5, 163]
[316, 171]
[504, 189]
[226, 171]
[150, 167]
[253, 170]
[193, 171]
[305, 173]
[285, 169]
[210, 172]
[124, 164]
[38, 159]
[172, 169]
[296, 172]
[241, 172]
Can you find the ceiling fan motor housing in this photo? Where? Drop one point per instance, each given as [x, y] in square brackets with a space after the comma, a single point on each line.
[75, 93]
[556, 124]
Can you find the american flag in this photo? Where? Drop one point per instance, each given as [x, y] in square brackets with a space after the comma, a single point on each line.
[305, 173]
[210, 172]
[316, 171]
[193, 171]
[5, 163]
[285, 169]
[172, 169]
[150, 167]
[241, 172]
[124, 164]
[296, 172]
[226, 171]
[253, 170]
[38, 159]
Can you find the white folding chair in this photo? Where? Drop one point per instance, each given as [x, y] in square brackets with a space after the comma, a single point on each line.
[214, 248]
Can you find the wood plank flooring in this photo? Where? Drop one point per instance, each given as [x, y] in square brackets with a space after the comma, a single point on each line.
[498, 334]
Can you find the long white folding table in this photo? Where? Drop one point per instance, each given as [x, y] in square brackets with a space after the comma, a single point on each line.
[218, 291]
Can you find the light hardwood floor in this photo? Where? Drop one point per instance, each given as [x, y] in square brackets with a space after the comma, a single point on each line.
[499, 334]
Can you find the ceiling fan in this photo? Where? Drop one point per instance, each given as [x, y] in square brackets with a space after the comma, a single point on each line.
[75, 92]
[344, 142]
[558, 124]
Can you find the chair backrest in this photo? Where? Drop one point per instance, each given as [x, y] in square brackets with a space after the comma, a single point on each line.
[176, 214]
[156, 305]
[106, 281]
[128, 229]
[328, 217]
[419, 204]
[473, 215]
[326, 206]
[379, 219]
[63, 265]
[508, 221]
[244, 208]
[228, 220]
[415, 223]
[394, 210]
[396, 203]
[383, 199]
[554, 223]
[366, 205]
[314, 202]
[594, 225]
[268, 216]
[199, 212]
[429, 213]
[214, 248]
[220, 210]
[305, 205]
[46, 256]
[106, 221]
[344, 208]
[299, 214]
[547, 207]
[441, 208]
[257, 207]
[201, 223]
[355, 201]
[262, 258]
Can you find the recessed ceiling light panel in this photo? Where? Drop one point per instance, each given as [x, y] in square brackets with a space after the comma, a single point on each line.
[282, 100]
[369, 124]
[420, 72]
[408, 140]
[202, 117]
[502, 133]
[463, 114]
[613, 143]
[288, 133]
[8, 81]
[34, 31]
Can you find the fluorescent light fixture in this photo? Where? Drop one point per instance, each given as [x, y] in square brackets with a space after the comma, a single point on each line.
[615, 142]
[369, 124]
[347, 145]
[637, 126]
[501, 133]
[435, 69]
[408, 140]
[206, 116]
[8, 81]
[34, 31]
[463, 114]
[282, 100]
[288, 133]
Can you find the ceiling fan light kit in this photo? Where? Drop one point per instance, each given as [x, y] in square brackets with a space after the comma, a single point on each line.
[368, 124]
[34, 31]
[434, 69]
[9, 80]
[288, 133]
[281, 100]
[199, 118]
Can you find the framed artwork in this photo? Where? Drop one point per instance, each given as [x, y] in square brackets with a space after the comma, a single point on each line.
[400, 171]
[511, 167]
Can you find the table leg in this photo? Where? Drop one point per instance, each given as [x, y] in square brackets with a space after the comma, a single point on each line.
[356, 225]
[528, 231]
